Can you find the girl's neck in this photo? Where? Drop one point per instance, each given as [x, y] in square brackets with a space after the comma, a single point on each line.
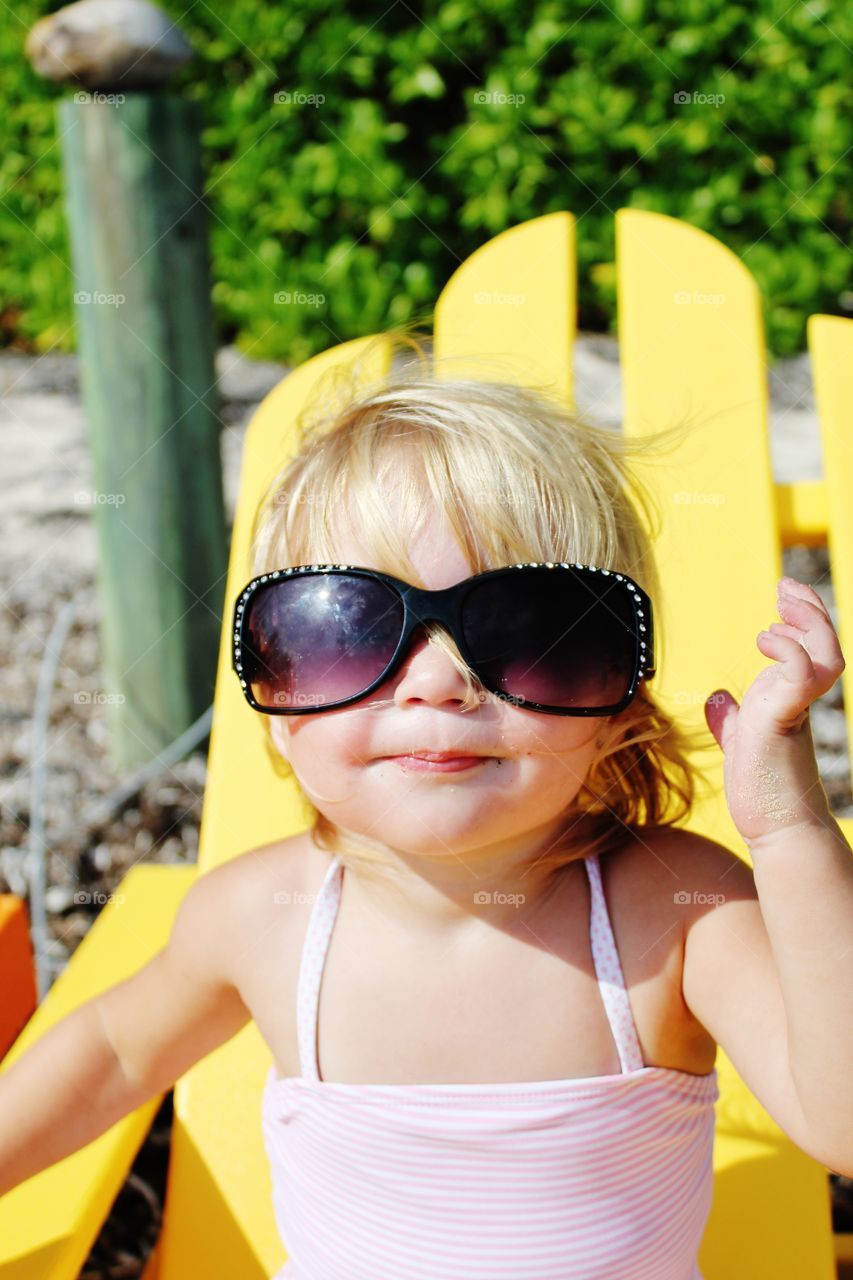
[445, 895]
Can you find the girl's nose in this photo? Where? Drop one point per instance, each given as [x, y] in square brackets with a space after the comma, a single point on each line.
[427, 674]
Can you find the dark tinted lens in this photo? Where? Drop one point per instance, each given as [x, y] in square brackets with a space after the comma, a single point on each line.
[553, 636]
[316, 639]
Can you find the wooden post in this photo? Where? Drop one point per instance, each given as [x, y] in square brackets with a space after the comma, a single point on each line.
[134, 189]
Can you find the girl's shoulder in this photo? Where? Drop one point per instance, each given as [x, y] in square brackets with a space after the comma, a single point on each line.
[677, 877]
[668, 855]
[265, 892]
[288, 866]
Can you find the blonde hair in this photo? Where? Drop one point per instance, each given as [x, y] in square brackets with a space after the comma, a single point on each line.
[518, 477]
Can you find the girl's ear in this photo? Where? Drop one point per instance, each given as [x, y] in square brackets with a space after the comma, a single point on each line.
[280, 736]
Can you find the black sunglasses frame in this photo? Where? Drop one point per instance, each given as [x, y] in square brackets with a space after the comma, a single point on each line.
[445, 607]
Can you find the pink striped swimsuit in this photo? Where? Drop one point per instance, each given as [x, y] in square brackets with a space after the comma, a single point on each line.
[592, 1178]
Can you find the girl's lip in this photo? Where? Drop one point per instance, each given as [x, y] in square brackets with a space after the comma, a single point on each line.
[437, 763]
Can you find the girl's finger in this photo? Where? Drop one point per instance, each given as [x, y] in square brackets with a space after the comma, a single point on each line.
[818, 635]
[795, 662]
[790, 586]
[780, 628]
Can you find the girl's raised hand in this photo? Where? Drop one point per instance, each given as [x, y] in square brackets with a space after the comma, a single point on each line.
[770, 771]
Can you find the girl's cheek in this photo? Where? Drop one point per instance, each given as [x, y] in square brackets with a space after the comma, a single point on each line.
[327, 785]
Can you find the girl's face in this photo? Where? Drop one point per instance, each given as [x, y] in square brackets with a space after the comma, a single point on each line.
[508, 805]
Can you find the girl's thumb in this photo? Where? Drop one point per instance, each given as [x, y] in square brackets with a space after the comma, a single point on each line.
[720, 714]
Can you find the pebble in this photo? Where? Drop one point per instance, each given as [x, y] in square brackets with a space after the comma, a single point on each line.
[59, 897]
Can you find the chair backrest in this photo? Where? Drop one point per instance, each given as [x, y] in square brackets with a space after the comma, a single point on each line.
[691, 344]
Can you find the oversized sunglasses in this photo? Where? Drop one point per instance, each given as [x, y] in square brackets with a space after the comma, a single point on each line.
[568, 639]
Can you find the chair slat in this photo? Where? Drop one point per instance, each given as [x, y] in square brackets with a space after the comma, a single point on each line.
[692, 350]
[701, 363]
[218, 1218]
[830, 340]
[801, 513]
[246, 802]
[508, 312]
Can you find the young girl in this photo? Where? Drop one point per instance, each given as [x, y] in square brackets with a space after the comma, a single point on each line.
[494, 997]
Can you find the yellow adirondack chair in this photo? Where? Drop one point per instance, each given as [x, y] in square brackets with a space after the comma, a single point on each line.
[725, 523]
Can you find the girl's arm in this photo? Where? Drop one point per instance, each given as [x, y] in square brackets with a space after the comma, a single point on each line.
[797, 961]
[764, 973]
[130, 1043]
[66, 1090]
[804, 878]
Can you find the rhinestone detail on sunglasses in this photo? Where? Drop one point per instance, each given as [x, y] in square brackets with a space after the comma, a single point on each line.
[646, 671]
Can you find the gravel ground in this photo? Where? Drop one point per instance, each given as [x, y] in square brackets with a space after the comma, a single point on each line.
[47, 557]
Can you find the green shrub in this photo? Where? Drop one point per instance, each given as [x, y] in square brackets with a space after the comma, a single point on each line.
[370, 198]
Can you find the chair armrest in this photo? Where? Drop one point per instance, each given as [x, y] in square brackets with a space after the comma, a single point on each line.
[49, 1223]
